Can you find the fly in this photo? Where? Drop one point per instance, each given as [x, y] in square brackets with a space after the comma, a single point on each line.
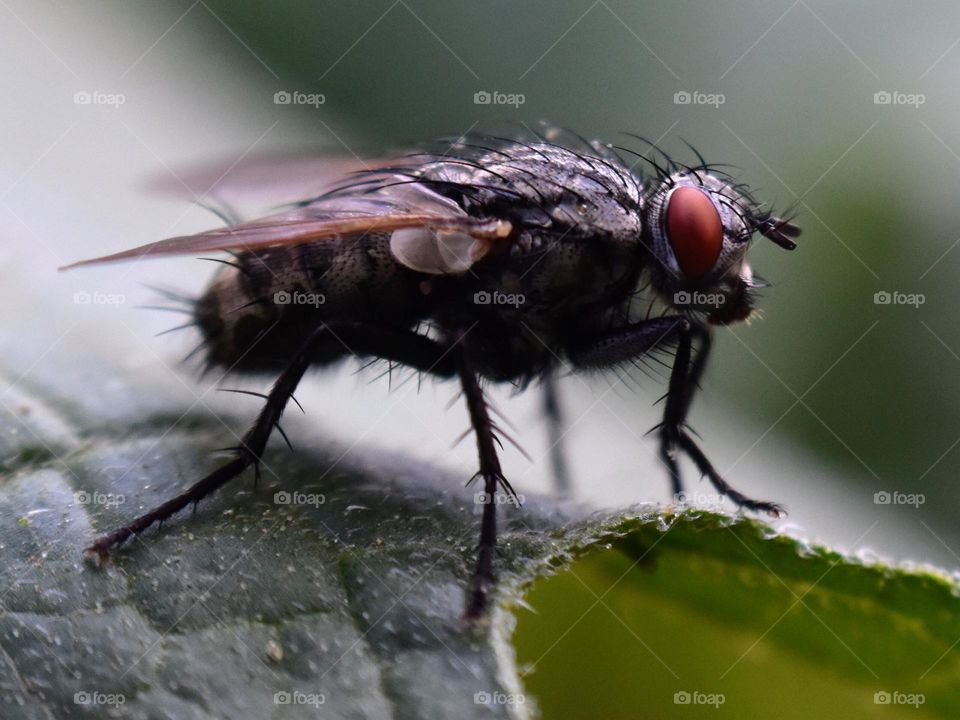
[499, 260]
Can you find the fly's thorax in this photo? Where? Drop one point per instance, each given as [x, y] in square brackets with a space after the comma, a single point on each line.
[546, 187]
[525, 304]
[579, 271]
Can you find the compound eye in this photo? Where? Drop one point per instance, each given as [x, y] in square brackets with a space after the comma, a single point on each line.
[695, 230]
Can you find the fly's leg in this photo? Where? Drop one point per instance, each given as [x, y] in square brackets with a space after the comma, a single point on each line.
[632, 342]
[555, 422]
[247, 453]
[403, 346]
[492, 476]
[684, 381]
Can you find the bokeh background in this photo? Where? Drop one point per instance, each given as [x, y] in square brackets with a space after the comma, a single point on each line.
[825, 401]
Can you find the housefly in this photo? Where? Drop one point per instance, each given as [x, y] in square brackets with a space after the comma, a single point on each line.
[495, 260]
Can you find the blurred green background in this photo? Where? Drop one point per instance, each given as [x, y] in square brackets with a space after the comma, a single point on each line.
[825, 401]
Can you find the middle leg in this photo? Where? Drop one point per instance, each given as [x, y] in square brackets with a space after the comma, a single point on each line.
[555, 434]
[491, 474]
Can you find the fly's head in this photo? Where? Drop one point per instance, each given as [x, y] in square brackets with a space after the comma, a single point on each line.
[698, 226]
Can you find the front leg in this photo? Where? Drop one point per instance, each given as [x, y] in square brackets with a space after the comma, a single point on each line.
[633, 341]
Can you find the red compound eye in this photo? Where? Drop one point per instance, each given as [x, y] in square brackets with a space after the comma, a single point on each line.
[695, 231]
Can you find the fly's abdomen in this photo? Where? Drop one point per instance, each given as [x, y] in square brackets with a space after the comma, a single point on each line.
[258, 311]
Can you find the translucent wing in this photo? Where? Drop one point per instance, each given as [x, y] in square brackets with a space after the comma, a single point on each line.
[256, 182]
[431, 233]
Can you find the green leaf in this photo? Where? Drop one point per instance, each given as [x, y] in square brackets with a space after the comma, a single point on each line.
[352, 591]
[701, 609]
[354, 597]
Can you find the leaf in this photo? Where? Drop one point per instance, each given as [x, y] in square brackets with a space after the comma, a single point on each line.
[349, 590]
[701, 608]
[355, 598]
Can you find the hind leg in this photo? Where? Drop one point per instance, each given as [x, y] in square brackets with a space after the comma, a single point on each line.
[402, 346]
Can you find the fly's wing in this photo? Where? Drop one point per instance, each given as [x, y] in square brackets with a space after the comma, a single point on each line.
[259, 181]
[430, 233]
